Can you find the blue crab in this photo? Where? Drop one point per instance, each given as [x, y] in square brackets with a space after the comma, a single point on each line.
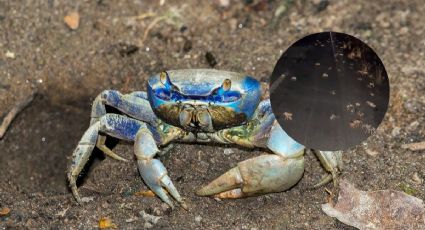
[199, 105]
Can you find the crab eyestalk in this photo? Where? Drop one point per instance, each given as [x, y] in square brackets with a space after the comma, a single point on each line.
[227, 84]
[165, 80]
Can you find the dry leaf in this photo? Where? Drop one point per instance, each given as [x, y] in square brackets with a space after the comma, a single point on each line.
[384, 209]
[145, 193]
[4, 211]
[72, 20]
[105, 222]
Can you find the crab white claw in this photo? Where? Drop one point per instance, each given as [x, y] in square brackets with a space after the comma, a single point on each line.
[199, 106]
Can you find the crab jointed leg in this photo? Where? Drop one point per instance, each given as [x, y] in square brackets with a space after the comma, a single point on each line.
[114, 125]
[134, 105]
[332, 162]
[145, 140]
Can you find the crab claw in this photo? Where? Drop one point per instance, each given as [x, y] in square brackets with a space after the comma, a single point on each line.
[259, 175]
[156, 177]
[153, 171]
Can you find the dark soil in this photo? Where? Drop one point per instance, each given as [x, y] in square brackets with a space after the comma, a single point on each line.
[69, 68]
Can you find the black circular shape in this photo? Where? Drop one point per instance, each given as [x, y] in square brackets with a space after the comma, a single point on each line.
[329, 91]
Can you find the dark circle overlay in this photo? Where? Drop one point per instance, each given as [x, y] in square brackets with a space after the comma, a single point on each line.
[329, 91]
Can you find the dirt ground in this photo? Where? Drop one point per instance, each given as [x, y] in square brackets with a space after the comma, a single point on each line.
[112, 50]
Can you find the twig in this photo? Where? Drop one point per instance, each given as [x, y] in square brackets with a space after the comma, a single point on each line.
[414, 146]
[145, 15]
[149, 28]
[14, 112]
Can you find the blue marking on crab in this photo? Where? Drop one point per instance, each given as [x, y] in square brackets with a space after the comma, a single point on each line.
[199, 106]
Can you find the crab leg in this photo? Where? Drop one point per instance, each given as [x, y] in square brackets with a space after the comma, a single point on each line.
[134, 105]
[114, 125]
[101, 140]
[332, 162]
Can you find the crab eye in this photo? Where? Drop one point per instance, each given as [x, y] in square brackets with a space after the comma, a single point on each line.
[227, 84]
[163, 77]
[165, 80]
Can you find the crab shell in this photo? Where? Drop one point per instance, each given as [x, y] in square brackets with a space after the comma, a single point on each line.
[203, 99]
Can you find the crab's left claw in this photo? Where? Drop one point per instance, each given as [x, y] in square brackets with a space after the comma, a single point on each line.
[259, 175]
[263, 174]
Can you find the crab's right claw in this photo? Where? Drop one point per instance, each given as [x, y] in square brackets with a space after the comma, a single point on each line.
[153, 171]
[156, 178]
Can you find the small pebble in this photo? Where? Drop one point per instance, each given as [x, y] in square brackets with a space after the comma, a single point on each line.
[198, 218]
[411, 106]
[165, 207]
[396, 131]
[149, 218]
[130, 220]
[417, 179]
[223, 3]
[10, 55]
[105, 205]
[158, 211]
[228, 151]
[147, 225]
[87, 199]
[412, 126]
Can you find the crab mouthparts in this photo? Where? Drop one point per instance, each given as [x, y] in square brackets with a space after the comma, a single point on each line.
[195, 118]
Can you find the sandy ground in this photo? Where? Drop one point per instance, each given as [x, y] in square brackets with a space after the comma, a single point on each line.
[111, 49]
